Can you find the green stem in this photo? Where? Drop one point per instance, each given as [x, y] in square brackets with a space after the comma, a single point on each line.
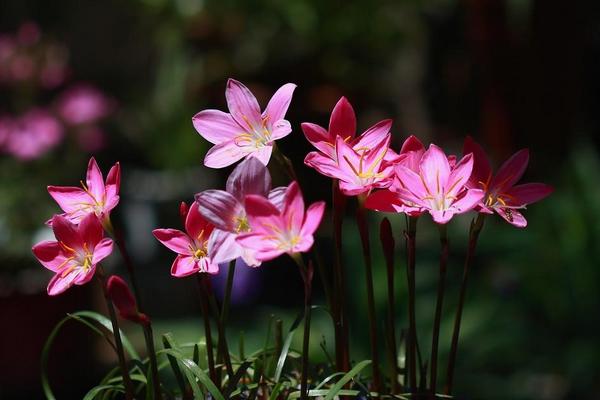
[117, 336]
[391, 326]
[227, 297]
[149, 337]
[474, 232]
[204, 306]
[438, 307]
[306, 274]
[412, 329]
[363, 230]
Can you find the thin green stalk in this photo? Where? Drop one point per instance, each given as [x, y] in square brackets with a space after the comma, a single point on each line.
[474, 232]
[438, 307]
[207, 330]
[412, 329]
[227, 297]
[117, 335]
[149, 338]
[363, 230]
[307, 274]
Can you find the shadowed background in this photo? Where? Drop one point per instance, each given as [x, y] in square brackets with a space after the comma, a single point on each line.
[512, 74]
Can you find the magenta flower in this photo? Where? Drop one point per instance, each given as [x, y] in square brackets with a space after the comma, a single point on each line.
[194, 248]
[438, 188]
[83, 104]
[94, 196]
[277, 231]
[245, 131]
[31, 135]
[226, 209]
[501, 194]
[361, 163]
[75, 254]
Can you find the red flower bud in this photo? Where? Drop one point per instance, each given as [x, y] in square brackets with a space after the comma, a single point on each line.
[125, 303]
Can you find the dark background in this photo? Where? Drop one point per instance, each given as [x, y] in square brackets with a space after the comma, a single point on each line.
[512, 74]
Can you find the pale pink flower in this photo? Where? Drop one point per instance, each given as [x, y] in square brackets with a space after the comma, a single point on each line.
[501, 194]
[436, 187]
[31, 135]
[75, 254]
[345, 157]
[83, 104]
[277, 231]
[245, 131]
[226, 209]
[95, 196]
[194, 247]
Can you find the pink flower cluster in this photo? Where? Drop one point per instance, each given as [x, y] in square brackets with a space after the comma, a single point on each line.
[29, 62]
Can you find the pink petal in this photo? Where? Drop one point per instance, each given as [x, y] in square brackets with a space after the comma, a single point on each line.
[459, 176]
[266, 249]
[90, 230]
[113, 184]
[293, 207]
[196, 224]
[373, 136]
[411, 181]
[174, 240]
[527, 193]
[263, 154]
[209, 266]
[263, 216]
[319, 138]
[468, 201]
[512, 216]
[70, 198]
[304, 245]
[343, 120]
[442, 216]
[220, 208]
[279, 103]
[281, 129]
[258, 206]
[102, 250]
[434, 169]
[482, 172]
[314, 215]
[50, 255]
[277, 197]
[84, 277]
[184, 266]
[324, 165]
[66, 232]
[352, 189]
[511, 171]
[224, 154]
[59, 284]
[222, 246]
[243, 105]
[95, 180]
[412, 143]
[216, 126]
[249, 177]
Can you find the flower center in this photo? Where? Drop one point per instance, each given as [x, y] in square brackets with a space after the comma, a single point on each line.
[81, 260]
[255, 136]
[241, 224]
[359, 170]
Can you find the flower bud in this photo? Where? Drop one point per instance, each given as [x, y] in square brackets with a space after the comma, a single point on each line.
[125, 303]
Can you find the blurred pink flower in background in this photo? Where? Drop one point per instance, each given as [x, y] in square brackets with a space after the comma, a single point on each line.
[31, 135]
[83, 104]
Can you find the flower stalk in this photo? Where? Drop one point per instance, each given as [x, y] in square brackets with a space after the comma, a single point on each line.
[410, 236]
[438, 307]
[204, 306]
[474, 231]
[363, 230]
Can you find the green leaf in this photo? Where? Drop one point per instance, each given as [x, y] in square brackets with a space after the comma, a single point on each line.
[236, 378]
[275, 392]
[346, 378]
[84, 318]
[326, 380]
[286, 347]
[99, 389]
[169, 343]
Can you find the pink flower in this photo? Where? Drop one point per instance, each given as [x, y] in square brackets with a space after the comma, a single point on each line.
[194, 248]
[83, 104]
[124, 302]
[277, 231]
[360, 164]
[436, 187]
[75, 254]
[31, 135]
[226, 209]
[245, 132]
[94, 196]
[387, 199]
[501, 194]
